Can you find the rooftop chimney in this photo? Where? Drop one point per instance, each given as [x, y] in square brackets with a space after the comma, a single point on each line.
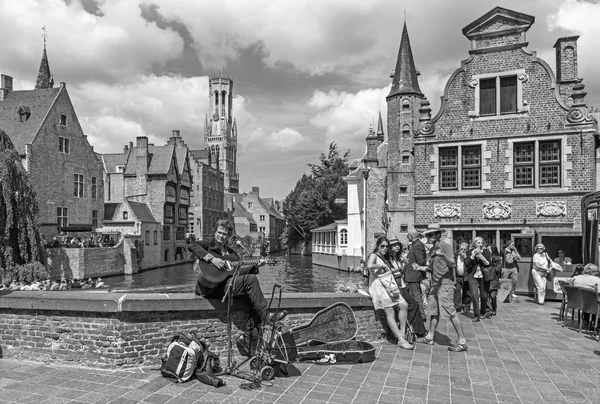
[566, 59]
[6, 86]
[255, 190]
[142, 155]
[175, 133]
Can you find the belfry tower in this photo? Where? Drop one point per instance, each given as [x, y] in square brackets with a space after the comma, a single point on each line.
[220, 131]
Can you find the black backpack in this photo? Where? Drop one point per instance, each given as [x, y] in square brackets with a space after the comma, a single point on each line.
[184, 353]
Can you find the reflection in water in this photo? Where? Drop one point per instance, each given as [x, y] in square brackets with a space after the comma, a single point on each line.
[295, 273]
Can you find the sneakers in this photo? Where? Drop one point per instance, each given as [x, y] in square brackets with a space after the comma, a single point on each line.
[513, 295]
[458, 347]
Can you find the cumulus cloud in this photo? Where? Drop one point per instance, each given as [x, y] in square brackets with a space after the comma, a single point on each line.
[148, 105]
[111, 45]
[582, 18]
[345, 117]
[282, 140]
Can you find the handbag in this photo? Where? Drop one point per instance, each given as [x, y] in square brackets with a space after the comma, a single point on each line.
[389, 283]
[489, 273]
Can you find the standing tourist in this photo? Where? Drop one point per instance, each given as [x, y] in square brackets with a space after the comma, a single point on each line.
[542, 266]
[491, 280]
[461, 295]
[385, 293]
[477, 259]
[413, 316]
[416, 258]
[511, 267]
[441, 295]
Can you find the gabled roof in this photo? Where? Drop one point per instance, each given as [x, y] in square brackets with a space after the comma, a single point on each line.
[111, 161]
[240, 211]
[269, 208]
[181, 157]
[159, 161]
[39, 103]
[405, 75]
[200, 155]
[109, 210]
[142, 212]
[496, 21]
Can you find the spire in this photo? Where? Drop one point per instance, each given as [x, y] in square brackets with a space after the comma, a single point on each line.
[44, 78]
[380, 127]
[405, 75]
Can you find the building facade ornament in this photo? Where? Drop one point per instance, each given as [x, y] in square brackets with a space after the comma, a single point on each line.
[579, 115]
[446, 210]
[473, 83]
[427, 129]
[523, 77]
[497, 210]
[551, 208]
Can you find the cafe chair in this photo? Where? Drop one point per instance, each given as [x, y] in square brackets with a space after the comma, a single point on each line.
[574, 301]
[591, 306]
[563, 304]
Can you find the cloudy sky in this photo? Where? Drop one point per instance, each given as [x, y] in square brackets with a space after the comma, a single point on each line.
[306, 72]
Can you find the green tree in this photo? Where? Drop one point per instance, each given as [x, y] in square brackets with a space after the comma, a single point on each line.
[312, 203]
[22, 254]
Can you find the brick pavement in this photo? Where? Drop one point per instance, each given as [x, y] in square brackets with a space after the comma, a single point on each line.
[523, 355]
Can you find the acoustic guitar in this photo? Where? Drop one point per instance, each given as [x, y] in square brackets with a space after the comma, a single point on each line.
[215, 275]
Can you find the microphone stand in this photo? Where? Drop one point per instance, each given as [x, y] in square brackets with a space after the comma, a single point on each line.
[232, 368]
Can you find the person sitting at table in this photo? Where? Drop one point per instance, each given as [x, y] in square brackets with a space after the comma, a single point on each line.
[590, 279]
[562, 259]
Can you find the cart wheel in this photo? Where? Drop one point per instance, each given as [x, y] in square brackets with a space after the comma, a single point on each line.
[254, 363]
[267, 373]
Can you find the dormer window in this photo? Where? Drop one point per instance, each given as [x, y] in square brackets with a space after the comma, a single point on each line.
[24, 113]
[120, 169]
[63, 120]
[125, 215]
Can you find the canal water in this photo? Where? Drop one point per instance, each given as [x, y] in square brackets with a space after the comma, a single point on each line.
[294, 273]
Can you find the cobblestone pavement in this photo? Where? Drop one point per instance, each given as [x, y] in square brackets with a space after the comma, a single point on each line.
[523, 355]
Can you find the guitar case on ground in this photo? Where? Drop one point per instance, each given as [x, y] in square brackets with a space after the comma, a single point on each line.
[329, 338]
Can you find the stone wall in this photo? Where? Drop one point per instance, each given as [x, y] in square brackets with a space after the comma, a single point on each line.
[104, 329]
[83, 263]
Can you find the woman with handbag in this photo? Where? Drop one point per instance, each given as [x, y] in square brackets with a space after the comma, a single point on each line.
[541, 271]
[385, 292]
[477, 259]
[414, 318]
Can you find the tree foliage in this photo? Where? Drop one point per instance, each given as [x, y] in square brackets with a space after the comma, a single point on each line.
[21, 251]
[312, 203]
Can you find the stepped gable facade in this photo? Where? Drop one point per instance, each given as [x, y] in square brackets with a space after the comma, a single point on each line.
[153, 182]
[64, 169]
[509, 154]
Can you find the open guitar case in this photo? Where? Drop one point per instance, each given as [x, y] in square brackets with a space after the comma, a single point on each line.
[328, 338]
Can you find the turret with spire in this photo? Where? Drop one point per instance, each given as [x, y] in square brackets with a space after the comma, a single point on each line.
[404, 108]
[44, 78]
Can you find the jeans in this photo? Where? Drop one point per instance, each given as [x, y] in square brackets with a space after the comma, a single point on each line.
[414, 318]
[539, 278]
[478, 296]
[247, 289]
[461, 293]
[513, 275]
[414, 289]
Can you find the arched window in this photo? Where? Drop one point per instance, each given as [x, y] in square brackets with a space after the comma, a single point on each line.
[223, 97]
[216, 100]
[405, 131]
[343, 237]
[405, 104]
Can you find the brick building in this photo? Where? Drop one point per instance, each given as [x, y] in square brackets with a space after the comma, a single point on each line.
[508, 155]
[266, 218]
[207, 197]
[64, 170]
[146, 185]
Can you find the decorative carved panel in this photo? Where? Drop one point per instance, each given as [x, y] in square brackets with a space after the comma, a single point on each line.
[551, 208]
[446, 210]
[497, 210]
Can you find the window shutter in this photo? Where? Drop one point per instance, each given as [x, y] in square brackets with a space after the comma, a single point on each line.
[487, 97]
[508, 95]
